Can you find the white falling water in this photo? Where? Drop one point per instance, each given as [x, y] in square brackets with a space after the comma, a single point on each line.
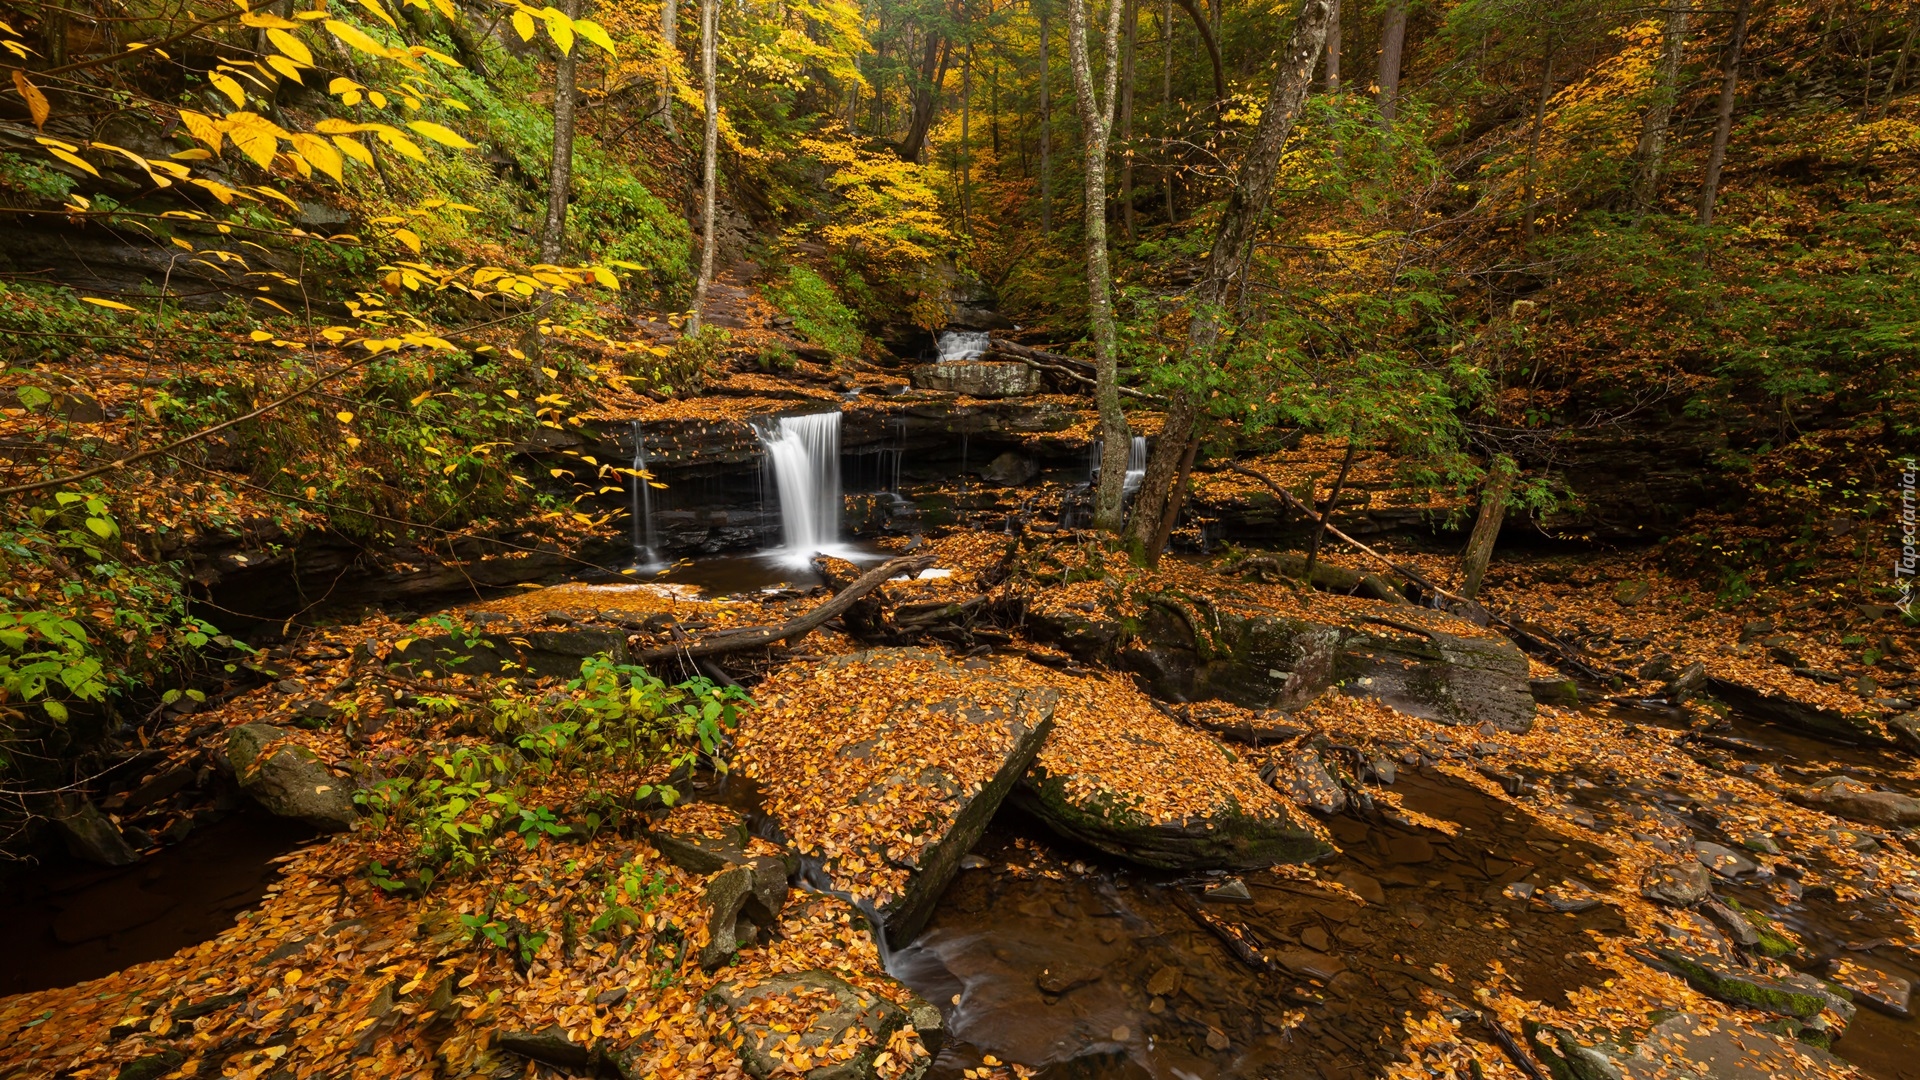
[645, 547]
[804, 453]
[958, 345]
[1136, 464]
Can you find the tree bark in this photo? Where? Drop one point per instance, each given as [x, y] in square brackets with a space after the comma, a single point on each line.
[926, 96]
[1486, 529]
[966, 141]
[553, 232]
[1171, 516]
[1126, 117]
[670, 36]
[1213, 51]
[1232, 250]
[1333, 500]
[1096, 126]
[1533, 148]
[1166, 105]
[1666, 91]
[756, 636]
[1333, 46]
[1393, 40]
[709, 155]
[1723, 124]
[1046, 120]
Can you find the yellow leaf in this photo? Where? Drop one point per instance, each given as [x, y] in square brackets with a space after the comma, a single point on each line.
[72, 159]
[523, 25]
[354, 149]
[196, 153]
[256, 143]
[113, 305]
[36, 101]
[422, 396]
[409, 238]
[227, 85]
[286, 68]
[260, 335]
[379, 13]
[560, 28]
[399, 142]
[443, 136]
[203, 128]
[446, 8]
[179, 243]
[218, 190]
[341, 84]
[379, 99]
[320, 154]
[344, 417]
[292, 46]
[357, 38]
[595, 33]
[266, 20]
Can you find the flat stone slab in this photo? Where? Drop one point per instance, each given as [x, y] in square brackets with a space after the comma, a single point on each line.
[1124, 777]
[886, 765]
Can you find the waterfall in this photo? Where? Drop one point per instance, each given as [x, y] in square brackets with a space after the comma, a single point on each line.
[959, 345]
[646, 549]
[1136, 464]
[804, 452]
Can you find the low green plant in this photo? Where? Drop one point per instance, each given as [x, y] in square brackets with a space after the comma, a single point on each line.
[818, 312]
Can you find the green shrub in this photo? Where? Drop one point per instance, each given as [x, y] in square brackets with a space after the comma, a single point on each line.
[818, 312]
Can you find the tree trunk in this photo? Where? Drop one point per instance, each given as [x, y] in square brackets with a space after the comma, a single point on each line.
[1333, 46]
[926, 96]
[1533, 149]
[966, 141]
[1166, 105]
[553, 232]
[1096, 126]
[1046, 120]
[1232, 250]
[670, 37]
[1666, 91]
[710, 192]
[1126, 117]
[1333, 500]
[1486, 529]
[1171, 517]
[1393, 39]
[1723, 124]
[1212, 43]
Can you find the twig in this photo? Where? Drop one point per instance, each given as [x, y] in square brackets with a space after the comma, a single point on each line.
[754, 637]
[121, 463]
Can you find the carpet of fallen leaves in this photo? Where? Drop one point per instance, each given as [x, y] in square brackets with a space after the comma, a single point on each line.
[866, 759]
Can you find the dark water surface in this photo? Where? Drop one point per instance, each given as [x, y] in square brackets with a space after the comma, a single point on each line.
[68, 922]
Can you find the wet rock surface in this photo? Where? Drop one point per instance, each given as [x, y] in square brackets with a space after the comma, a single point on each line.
[791, 1022]
[287, 779]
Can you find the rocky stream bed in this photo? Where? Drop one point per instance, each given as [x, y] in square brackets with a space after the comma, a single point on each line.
[1037, 813]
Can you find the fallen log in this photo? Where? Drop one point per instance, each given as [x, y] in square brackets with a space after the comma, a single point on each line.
[756, 636]
[1040, 360]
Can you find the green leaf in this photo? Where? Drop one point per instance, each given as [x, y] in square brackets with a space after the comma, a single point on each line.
[102, 528]
[33, 397]
[55, 709]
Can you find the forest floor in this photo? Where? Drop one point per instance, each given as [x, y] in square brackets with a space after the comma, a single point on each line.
[1695, 857]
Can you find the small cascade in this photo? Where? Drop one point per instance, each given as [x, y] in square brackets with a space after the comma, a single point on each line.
[646, 549]
[1136, 463]
[804, 455]
[960, 345]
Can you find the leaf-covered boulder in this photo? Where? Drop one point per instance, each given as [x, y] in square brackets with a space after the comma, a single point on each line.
[288, 779]
[809, 1024]
[1123, 777]
[884, 766]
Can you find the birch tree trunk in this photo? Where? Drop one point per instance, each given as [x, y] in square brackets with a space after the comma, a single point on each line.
[1046, 120]
[1393, 40]
[1096, 125]
[1166, 105]
[710, 193]
[1666, 91]
[553, 232]
[670, 36]
[1723, 125]
[1228, 260]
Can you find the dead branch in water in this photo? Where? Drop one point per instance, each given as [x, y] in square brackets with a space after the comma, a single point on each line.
[752, 637]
